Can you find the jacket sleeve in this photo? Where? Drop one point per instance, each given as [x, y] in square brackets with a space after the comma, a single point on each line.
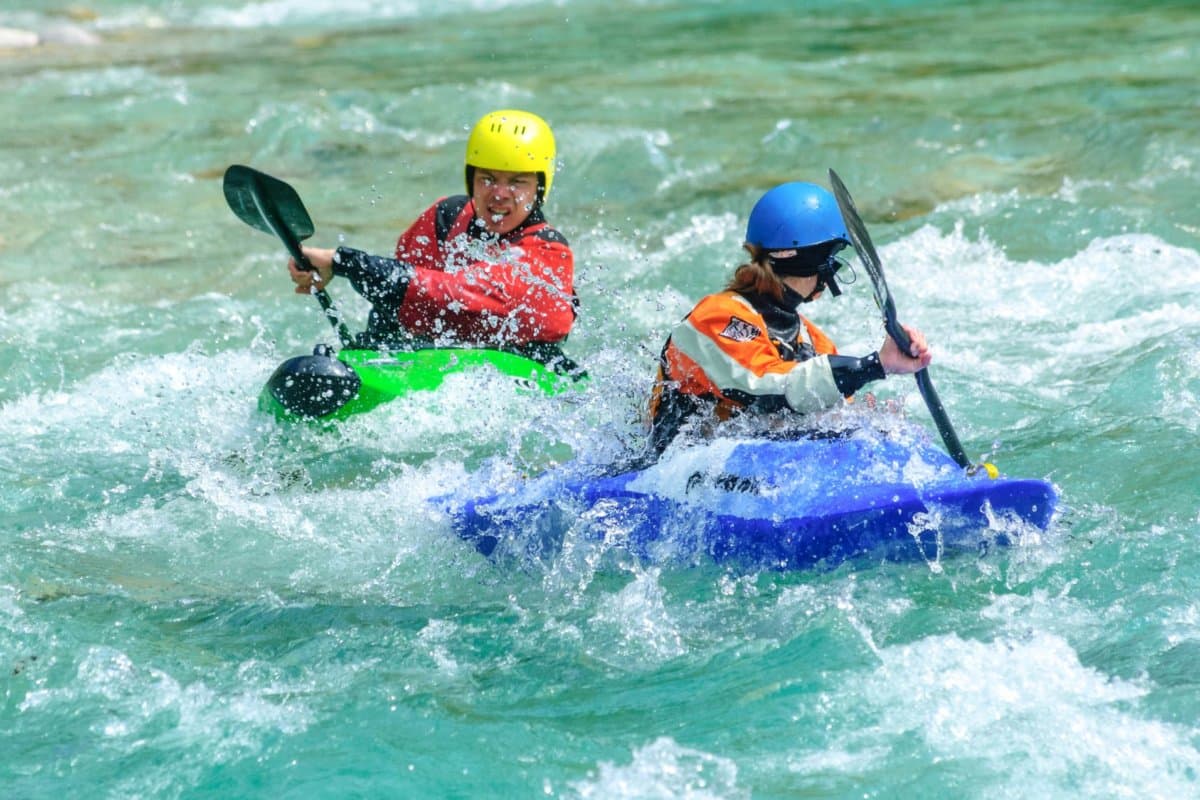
[382, 281]
[525, 295]
[729, 343]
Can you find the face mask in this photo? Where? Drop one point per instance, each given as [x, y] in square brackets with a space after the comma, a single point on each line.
[801, 265]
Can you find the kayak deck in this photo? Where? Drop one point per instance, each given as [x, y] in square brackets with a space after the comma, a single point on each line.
[782, 504]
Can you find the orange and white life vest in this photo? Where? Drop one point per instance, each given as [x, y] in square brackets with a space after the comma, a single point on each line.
[724, 357]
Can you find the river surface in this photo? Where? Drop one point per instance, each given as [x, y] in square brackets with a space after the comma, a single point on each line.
[197, 601]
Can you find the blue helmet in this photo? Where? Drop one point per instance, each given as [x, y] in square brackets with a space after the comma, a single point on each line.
[796, 215]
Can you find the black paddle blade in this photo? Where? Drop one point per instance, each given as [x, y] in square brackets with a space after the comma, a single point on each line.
[869, 258]
[259, 199]
[271, 206]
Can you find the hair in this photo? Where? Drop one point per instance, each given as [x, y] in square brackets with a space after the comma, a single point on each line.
[756, 275]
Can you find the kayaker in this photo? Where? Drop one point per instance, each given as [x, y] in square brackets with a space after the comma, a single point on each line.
[483, 269]
[748, 348]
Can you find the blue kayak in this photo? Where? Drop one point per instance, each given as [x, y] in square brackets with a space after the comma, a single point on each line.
[789, 504]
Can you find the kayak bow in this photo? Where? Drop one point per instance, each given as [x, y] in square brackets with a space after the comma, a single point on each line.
[328, 386]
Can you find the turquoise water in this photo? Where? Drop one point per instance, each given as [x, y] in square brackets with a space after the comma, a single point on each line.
[198, 602]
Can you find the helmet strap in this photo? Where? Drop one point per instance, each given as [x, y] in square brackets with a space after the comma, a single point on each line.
[827, 278]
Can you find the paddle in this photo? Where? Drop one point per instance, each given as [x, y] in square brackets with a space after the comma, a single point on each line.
[272, 206]
[870, 259]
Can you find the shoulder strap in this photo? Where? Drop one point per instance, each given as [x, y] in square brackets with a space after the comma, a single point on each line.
[449, 210]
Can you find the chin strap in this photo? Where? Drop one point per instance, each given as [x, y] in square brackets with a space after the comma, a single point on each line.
[825, 280]
[820, 287]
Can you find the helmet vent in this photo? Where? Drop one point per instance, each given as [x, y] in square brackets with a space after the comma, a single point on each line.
[517, 129]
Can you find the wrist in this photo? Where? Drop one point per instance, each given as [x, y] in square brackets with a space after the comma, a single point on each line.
[343, 259]
[851, 374]
[873, 367]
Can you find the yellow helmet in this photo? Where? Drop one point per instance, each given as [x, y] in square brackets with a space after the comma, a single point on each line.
[512, 141]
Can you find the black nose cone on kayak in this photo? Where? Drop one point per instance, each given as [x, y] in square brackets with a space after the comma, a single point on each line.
[313, 386]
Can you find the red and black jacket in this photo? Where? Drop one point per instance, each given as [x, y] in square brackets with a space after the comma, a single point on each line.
[453, 284]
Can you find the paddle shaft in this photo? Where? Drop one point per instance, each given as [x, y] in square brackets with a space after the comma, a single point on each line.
[271, 215]
[866, 251]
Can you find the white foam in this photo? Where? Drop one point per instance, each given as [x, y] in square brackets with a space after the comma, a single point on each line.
[295, 12]
[663, 769]
[637, 617]
[142, 704]
[1026, 700]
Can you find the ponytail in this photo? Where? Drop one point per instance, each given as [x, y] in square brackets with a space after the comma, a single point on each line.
[756, 275]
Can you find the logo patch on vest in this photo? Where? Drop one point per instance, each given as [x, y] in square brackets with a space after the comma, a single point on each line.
[740, 331]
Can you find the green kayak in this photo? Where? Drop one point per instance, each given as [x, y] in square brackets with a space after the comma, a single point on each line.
[326, 385]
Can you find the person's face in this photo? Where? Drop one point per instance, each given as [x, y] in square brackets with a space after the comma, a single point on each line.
[503, 200]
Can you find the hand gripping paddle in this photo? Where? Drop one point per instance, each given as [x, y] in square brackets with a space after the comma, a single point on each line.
[272, 206]
[870, 260]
